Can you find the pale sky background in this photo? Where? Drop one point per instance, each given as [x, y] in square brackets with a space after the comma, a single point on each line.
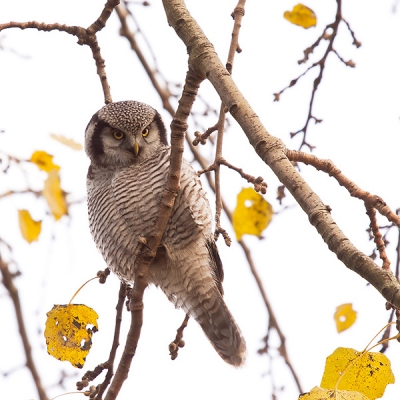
[48, 84]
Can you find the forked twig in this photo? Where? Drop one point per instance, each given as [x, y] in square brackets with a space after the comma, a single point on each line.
[329, 34]
[86, 36]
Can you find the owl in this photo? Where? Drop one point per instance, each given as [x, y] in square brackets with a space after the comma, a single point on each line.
[127, 145]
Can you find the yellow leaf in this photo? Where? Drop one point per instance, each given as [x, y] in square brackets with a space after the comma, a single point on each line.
[30, 228]
[252, 213]
[318, 393]
[69, 333]
[344, 317]
[302, 16]
[367, 373]
[68, 142]
[44, 161]
[54, 195]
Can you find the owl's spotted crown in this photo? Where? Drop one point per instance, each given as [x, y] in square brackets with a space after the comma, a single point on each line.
[129, 115]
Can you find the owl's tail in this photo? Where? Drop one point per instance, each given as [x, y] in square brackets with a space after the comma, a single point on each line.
[199, 293]
[221, 329]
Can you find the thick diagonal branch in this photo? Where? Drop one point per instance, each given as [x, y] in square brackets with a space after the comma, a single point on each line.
[203, 58]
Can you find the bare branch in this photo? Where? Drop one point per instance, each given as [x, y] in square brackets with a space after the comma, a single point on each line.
[100, 23]
[273, 323]
[145, 257]
[329, 34]
[259, 184]
[13, 292]
[272, 151]
[178, 341]
[85, 37]
[329, 167]
[378, 238]
[126, 32]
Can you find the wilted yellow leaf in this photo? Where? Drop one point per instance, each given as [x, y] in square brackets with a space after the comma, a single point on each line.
[369, 373]
[30, 228]
[54, 195]
[69, 331]
[44, 161]
[318, 393]
[68, 142]
[344, 317]
[252, 213]
[302, 16]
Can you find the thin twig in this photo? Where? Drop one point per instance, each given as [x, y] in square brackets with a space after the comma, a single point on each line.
[85, 37]
[329, 34]
[217, 172]
[13, 292]
[237, 15]
[126, 32]
[273, 323]
[178, 341]
[259, 184]
[330, 168]
[380, 245]
[115, 344]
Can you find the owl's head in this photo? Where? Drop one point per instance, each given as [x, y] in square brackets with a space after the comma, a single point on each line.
[124, 133]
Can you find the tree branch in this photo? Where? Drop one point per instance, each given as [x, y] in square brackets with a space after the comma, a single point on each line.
[330, 168]
[85, 36]
[149, 249]
[271, 150]
[13, 292]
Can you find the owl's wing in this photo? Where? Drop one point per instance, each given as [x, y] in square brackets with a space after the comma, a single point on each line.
[187, 266]
[216, 265]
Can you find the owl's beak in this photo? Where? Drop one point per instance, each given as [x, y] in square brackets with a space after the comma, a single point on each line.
[136, 148]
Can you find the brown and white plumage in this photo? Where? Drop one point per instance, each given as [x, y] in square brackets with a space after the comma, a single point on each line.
[127, 145]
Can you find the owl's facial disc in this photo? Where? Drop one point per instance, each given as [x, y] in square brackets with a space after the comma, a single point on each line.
[124, 133]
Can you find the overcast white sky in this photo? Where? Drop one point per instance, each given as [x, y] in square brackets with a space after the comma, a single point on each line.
[48, 84]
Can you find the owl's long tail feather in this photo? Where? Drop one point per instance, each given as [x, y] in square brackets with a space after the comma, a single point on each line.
[202, 300]
[221, 329]
[196, 288]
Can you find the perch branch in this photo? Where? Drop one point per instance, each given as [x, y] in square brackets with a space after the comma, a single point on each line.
[178, 128]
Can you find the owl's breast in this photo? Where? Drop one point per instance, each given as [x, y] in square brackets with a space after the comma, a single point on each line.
[123, 208]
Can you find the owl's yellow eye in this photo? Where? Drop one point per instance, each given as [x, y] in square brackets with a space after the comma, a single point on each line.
[145, 132]
[118, 135]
